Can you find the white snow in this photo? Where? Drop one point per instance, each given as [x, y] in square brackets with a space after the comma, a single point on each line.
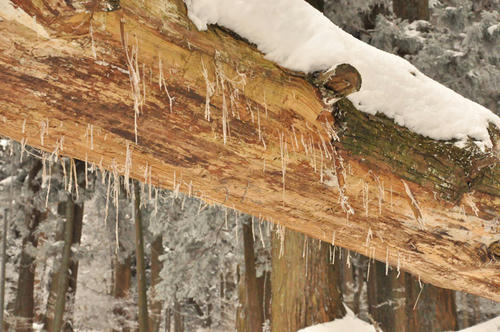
[295, 35]
[492, 325]
[347, 323]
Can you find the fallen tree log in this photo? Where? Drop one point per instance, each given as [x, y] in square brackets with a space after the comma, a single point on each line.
[137, 90]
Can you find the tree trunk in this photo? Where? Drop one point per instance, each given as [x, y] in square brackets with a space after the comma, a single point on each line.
[156, 266]
[429, 309]
[178, 318]
[121, 289]
[73, 268]
[353, 278]
[249, 168]
[168, 319]
[318, 4]
[3, 326]
[386, 298]
[24, 303]
[411, 10]
[305, 286]
[142, 295]
[57, 305]
[253, 310]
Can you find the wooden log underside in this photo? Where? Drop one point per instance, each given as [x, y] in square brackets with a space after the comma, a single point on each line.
[262, 147]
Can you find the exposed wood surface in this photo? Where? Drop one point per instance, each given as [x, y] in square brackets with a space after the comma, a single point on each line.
[262, 147]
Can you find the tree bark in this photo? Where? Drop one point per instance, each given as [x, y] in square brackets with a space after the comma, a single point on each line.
[429, 308]
[245, 164]
[156, 266]
[142, 292]
[25, 303]
[121, 289]
[386, 298]
[411, 10]
[305, 285]
[57, 303]
[254, 311]
[3, 327]
[73, 268]
[178, 318]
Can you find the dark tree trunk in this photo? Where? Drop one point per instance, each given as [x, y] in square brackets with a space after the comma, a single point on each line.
[24, 304]
[121, 289]
[318, 4]
[178, 319]
[253, 309]
[305, 286]
[353, 278]
[156, 266]
[73, 268]
[168, 319]
[386, 298]
[141, 266]
[61, 279]
[411, 10]
[435, 309]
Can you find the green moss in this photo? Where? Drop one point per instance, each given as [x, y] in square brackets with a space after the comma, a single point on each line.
[437, 165]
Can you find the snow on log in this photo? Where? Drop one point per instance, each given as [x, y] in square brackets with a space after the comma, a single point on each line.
[138, 90]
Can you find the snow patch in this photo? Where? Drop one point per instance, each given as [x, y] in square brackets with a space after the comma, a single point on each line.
[295, 35]
[347, 323]
[492, 325]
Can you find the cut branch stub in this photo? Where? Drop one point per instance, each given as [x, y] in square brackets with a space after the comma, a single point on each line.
[337, 82]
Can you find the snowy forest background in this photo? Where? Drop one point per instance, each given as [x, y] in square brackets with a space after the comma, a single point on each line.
[195, 257]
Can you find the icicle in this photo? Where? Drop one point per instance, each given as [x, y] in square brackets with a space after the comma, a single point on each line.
[150, 186]
[156, 201]
[261, 236]
[128, 165]
[258, 124]
[253, 232]
[209, 90]
[365, 197]
[75, 174]
[23, 148]
[369, 236]
[398, 268]
[304, 247]
[86, 171]
[387, 261]
[419, 293]
[44, 169]
[48, 187]
[183, 201]
[70, 182]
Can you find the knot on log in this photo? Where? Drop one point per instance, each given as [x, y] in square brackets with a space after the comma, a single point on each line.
[337, 82]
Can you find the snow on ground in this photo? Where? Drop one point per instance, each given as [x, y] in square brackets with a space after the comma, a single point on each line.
[347, 323]
[351, 323]
[492, 325]
[295, 35]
